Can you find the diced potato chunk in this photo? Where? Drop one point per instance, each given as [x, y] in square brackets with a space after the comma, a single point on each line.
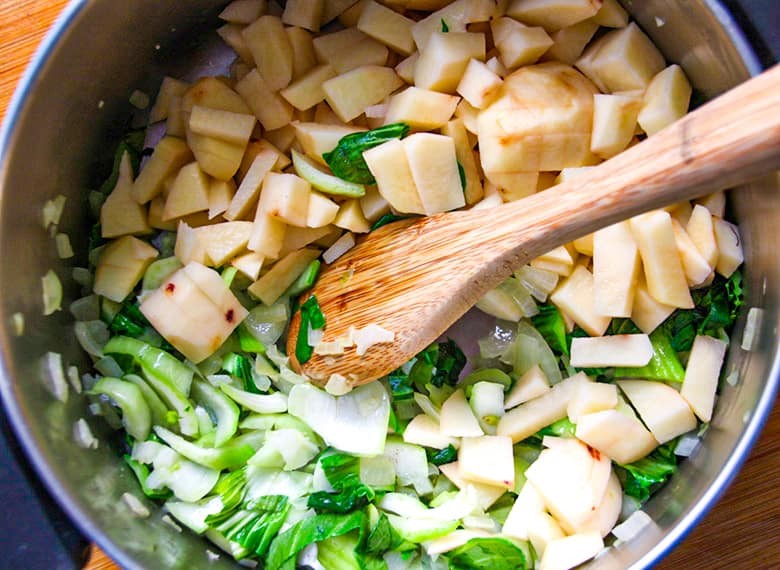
[348, 49]
[456, 15]
[121, 265]
[169, 155]
[322, 210]
[456, 130]
[194, 310]
[434, 169]
[479, 85]
[189, 248]
[614, 123]
[224, 241]
[620, 437]
[405, 69]
[285, 197]
[486, 495]
[542, 530]
[303, 13]
[389, 166]
[528, 504]
[335, 9]
[302, 50]
[424, 430]
[243, 11]
[267, 236]
[701, 230]
[232, 36]
[307, 91]
[666, 100]
[249, 264]
[444, 59]
[121, 214]
[647, 313]
[611, 15]
[189, 193]
[218, 158]
[213, 93]
[487, 459]
[316, 138]
[457, 419]
[225, 125]
[514, 186]
[350, 217]
[540, 121]
[613, 350]
[284, 272]
[373, 204]
[701, 375]
[169, 88]
[661, 407]
[271, 50]
[715, 203]
[387, 26]
[622, 60]
[730, 254]
[575, 296]
[571, 551]
[518, 44]
[592, 397]
[249, 189]
[421, 109]
[221, 192]
[696, 268]
[569, 42]
[662, 266]
[615, 270]
[269, 107]
[530, 385]
[553, 14]
[350, 93]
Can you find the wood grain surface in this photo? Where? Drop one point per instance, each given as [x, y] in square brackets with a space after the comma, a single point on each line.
[742, 531]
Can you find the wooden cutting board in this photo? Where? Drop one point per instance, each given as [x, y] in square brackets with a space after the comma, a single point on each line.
[742, 531]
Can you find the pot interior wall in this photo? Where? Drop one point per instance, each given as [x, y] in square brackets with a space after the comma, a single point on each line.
[77, 106]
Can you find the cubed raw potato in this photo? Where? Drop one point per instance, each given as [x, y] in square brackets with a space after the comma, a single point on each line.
[469, 115]
[715, 203]
[701, 375]
[662, 409]
[333, 9]
[302, 50]
[592, 397]
[285, 197]
[169, 88]
[120, 214]
[271, 50]
[249, 189]
[225, 125]
[303, 13]
[322, 210]
[569, 42]
[216, 157]
[456, 15]
[663, 270]
[174, 125]
[530, 385]
[189, 248]
[405, 68]
[611, 15]
[348, 49]
[221, 193]
[194, 310]
[387, 26]
[282, 139]
[269, 107]
[390, 167]
[434, 169]
[571, 481]
[232, 36]
[531, 416]
[575, 297]
[514, 186]
[243, 11]
[633, 350]
[249, 264]
[541, 121]
[120, 267]
[456, 130]
[169, 155]
[213, 93]
[622, 60]
[559, 260]
[189, 193]
[297, 238]
[494, 64]
[479, 84]
[696, 268]
[666, 100]
[373, 204]
[457, 419]
[701, 230]
[485, 495]
[569, 174]
[284, 272]
[443, 61]
[615, 270]
[553, 14]
[487, 459]
[614, 123]
[316, 138]
[618, 436]
[584, 245]
[350, 93]
[350, 217]
[647, 313]
[518, 44]
[424, 430]
[306, 92]
[267, 235]
[730, 254]
[543, 529]
[528, 504]
[224, 241]
[681, 212]
[571, 551]
[421, 109]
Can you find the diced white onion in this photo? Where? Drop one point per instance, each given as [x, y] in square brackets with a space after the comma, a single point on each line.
[339, 248]
[315, 336]
[52, 211]
[752, 327]
[92, 336]
[107, 366]
[329, 348]
[64, 249]
[135, 505]
[17, 320]
[52, 293]
[86, 308]
[74, 377]
[54, 376]
[428, 408]
[687, 445]
[83, 435]
[211, 555]
[733, 378]
[166, 518]
[629, 528]
[370, 335]
[539, 282]
[337, 385]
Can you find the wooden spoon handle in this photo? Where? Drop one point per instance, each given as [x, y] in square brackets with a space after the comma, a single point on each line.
[417, 278]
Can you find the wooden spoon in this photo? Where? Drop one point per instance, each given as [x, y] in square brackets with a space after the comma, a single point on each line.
[416, 278]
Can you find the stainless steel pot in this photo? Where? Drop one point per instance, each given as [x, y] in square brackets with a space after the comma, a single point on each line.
[73, 103]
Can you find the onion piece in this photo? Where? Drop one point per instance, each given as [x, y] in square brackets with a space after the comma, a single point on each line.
[54, 376]
[629, 528]
[52, 293]
[339, 248]
[83, 435]
[752, 328]
[92, 336]
[74, 377]
[135, 505]
[62, 243]
[52, 211]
